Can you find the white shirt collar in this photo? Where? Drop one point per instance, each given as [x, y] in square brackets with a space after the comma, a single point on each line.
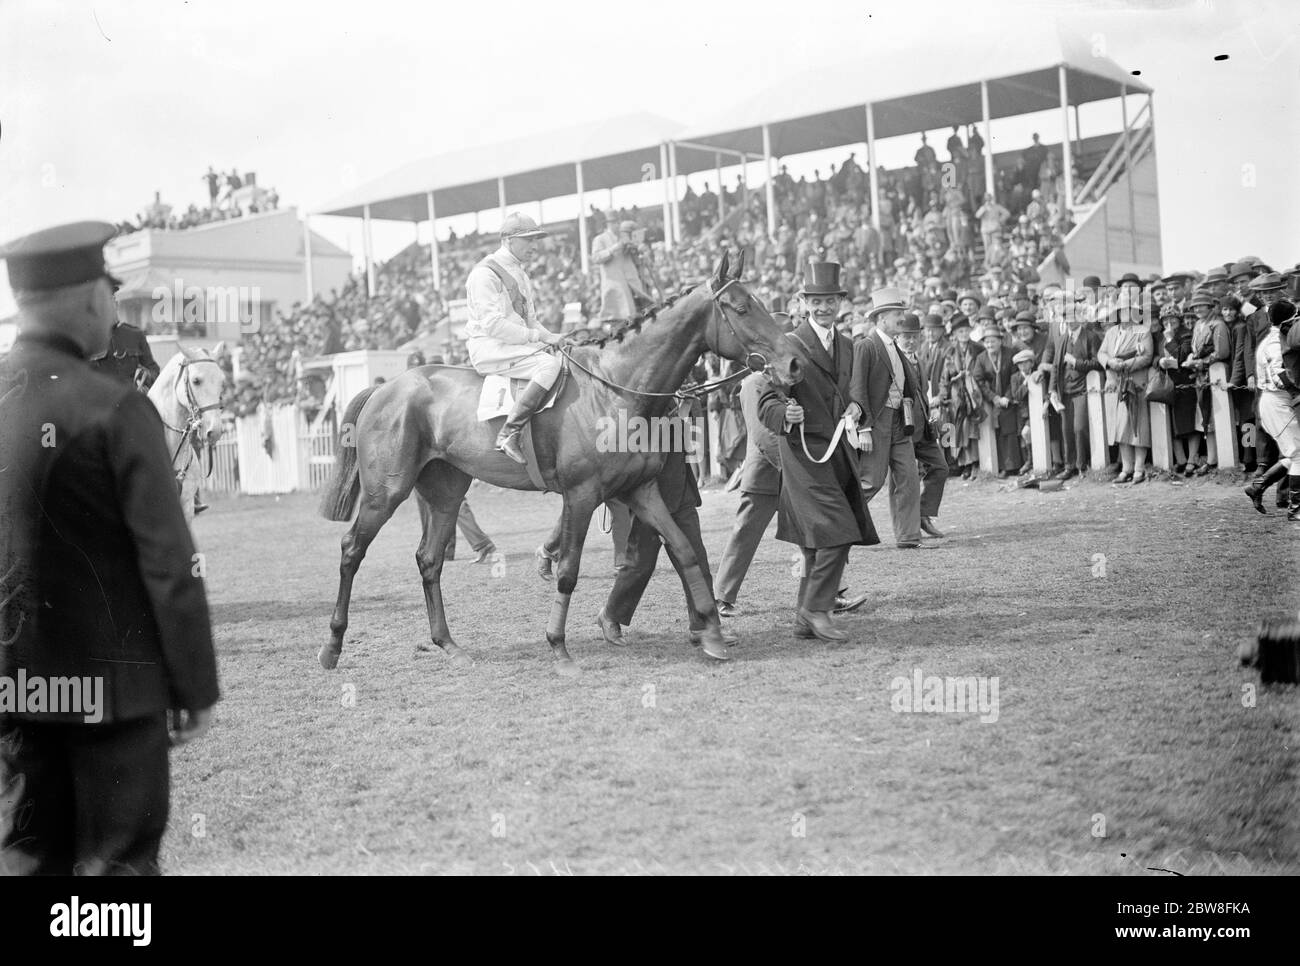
[825, 334]
[507, 257]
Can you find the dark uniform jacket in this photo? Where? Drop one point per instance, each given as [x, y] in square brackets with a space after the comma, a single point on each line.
[97, 569]
[761, 472]
[821, 504]
[128, 350]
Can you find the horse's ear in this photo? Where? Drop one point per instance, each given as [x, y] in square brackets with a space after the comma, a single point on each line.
[740, 266]
[219, 349]
[721, 276]
[184, 351]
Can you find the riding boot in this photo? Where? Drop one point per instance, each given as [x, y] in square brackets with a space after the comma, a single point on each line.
[1294, 513]
[525, 406]
[1262, 482]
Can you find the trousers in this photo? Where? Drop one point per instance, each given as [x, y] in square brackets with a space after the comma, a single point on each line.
[752, 517]
[83, 799]
[893, 455]
[823, 572]
[643, 543]
[934, 474]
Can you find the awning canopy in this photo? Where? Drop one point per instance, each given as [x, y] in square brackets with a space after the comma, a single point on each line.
[934, 85]
[541, 166]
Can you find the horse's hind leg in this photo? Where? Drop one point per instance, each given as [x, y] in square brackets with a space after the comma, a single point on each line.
[374, 513]
[574, 522]
[441, 488]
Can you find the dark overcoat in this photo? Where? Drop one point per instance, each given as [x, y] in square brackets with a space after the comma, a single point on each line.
[821, 504]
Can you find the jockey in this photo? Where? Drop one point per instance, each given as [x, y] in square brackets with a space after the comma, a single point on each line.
[503, 335]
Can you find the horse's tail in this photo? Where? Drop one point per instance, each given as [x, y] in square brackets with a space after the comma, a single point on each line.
[340, 496]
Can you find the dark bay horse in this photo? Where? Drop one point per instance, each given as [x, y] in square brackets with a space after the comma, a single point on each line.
[421, 432]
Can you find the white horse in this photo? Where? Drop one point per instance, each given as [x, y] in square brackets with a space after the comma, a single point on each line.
[187, 395]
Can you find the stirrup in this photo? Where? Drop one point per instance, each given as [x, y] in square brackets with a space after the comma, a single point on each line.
[509, 444]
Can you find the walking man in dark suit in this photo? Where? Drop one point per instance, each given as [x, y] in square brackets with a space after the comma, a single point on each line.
[760, 487]
[887, 398]
[821, 509]
[99, 581]
[929, 454]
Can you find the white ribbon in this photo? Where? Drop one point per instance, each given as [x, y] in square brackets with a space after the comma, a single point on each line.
[845, 425]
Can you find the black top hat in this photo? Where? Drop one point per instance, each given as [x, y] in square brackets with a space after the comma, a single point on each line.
[823, 278]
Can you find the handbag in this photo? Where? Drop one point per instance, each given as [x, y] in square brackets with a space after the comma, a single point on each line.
[1160, 387]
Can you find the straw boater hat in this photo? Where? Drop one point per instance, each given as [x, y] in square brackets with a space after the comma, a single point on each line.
[822, 278]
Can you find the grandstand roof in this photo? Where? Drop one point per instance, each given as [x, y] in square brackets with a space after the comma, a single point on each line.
[924, 88]
[540, 166]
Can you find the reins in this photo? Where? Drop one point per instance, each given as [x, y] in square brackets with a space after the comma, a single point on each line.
[190, 430]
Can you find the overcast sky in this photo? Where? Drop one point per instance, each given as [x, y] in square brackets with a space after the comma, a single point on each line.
[103, 103]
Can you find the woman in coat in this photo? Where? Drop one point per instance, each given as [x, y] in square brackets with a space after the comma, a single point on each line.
[993, 370]
[964, 401]
[1172, 346]
[1211, 343]
[1126, 353]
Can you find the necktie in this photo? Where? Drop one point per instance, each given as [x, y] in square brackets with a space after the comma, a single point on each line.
[896, 389]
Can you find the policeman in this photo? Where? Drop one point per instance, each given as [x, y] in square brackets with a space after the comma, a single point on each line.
[97, 581]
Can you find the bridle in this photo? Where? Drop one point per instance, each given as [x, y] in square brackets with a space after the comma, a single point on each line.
[698, 391]
[194, 420]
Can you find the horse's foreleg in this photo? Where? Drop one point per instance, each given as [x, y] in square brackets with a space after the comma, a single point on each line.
[436, 526]
[650, 507]
[370, 519]
[574, 521]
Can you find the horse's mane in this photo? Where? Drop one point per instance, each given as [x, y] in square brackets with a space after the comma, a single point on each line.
[626, 329]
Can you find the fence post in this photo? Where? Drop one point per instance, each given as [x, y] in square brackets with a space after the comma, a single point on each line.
[1162, 451]
[988, 442]
[1038, 426]
[1225, 440]
[1097, 421]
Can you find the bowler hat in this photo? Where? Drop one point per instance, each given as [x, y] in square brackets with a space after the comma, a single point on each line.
[960, 322]
[519, 225]
[967, 293]
[1132, 278]
[986, 313]
[823, 278]
[58, 257]
[1178, 276]
[1241, 268]
[909, 323]
[933, 321]
[1091, 281]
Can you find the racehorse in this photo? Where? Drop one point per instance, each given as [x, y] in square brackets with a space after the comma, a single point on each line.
[187, 395]
[421, 431]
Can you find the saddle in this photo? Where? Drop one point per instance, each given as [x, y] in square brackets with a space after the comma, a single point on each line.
[497, 399]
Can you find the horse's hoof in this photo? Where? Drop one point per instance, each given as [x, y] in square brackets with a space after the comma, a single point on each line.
[567, 668]
[457, 654]
[329, 658]
[715, 647]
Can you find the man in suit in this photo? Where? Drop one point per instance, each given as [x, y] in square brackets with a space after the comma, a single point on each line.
[99, 584]
[682, 497]
[929, 454]
[620, 279]
[760, 487]
[820, 509]
[889, 408]
[1070, 354]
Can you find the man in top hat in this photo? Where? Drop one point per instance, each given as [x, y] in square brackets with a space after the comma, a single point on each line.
[891, 412]
[620, 280]
[97, 581]
[929, 455]
[503, 335]
[820, 508]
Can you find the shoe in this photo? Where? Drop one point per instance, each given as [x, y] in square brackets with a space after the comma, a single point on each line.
[927, 526]
[844, 605]
[725, 608]
[1140, 476]
[917, 546]
[199, 507]
[1262, 482]
[1069, 473]
[1187, 470]
[819, 624]
[610, 630]
[802, 630]
[729, 637]
[1003, 474]
[529, 401]
[545, 564]
[485, 555]
[1123, 478]
[1026, 468]
[1203, 469]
